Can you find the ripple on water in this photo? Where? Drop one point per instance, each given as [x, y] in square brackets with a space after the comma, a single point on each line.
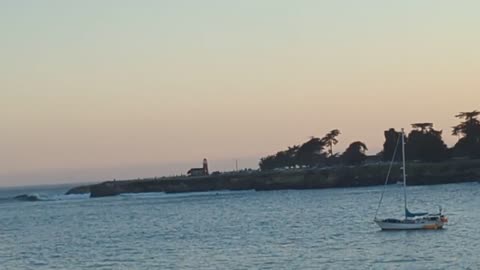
[315, 229]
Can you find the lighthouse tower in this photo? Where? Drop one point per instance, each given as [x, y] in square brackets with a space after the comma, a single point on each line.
[205, 166]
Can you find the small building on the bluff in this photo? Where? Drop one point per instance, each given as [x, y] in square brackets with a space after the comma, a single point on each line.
[199, 171]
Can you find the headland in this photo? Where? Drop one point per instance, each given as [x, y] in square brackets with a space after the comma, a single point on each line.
[452, 171]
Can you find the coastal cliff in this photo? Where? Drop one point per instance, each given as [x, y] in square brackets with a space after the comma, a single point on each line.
[351, 176]
[79, 190]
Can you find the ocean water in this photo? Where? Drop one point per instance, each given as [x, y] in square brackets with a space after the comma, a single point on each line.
[310, 229]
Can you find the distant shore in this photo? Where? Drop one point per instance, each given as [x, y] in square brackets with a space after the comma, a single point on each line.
[454, 171]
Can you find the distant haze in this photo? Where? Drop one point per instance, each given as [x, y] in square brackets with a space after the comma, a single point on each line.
[91, 90]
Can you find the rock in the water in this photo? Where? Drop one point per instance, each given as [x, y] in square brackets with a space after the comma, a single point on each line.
[27, 198]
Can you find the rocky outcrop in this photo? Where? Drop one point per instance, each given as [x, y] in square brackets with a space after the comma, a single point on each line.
[79, 190]
[27, 198]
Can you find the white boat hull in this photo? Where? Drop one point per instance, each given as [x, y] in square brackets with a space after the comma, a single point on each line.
[417, 224]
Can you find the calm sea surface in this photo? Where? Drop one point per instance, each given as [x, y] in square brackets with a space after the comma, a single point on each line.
[312, 229]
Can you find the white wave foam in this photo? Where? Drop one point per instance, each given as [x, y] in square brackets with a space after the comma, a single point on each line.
[35, 197]
[147, 195]
[70, 197]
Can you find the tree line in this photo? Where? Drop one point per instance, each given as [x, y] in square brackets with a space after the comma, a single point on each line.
[424, 143]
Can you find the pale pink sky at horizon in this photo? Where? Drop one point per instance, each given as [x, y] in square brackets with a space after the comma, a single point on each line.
[89, 88]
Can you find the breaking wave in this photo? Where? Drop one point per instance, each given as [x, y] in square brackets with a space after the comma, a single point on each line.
[36, 197]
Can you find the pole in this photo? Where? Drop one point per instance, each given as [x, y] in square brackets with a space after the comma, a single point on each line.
[404, 172]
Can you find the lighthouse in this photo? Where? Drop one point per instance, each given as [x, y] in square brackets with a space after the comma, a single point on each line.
[203, 171]
[205, 166]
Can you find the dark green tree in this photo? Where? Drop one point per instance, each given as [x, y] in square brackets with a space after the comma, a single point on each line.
[391, 139]
[426, 144]
[267, 163]
[311, 153]
[355, 153]
[281, 159]
[469, 132]
[291, 153]
[330, 140]
[423, 127]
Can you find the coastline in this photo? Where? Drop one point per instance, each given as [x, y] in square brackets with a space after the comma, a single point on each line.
[453, 171]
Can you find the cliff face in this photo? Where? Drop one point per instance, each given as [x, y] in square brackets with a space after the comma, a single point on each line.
[79, 190]
[418, 174]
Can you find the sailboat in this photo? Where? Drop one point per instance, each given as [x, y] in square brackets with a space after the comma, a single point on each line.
[411, 221]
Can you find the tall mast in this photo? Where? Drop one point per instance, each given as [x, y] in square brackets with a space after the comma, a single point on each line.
[404, 171]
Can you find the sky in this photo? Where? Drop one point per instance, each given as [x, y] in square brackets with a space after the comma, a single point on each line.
[96, 90]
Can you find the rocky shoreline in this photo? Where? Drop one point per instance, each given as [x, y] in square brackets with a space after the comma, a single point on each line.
[353, 176]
